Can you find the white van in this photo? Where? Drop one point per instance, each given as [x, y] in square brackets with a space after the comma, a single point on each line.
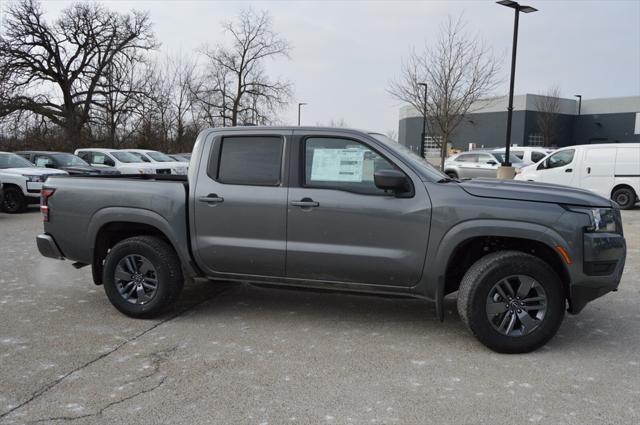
[610, 170]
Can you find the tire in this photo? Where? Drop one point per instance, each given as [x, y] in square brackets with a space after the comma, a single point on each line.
[452, 174]
[475, 300]
[14, 201]
[162, 265]
[625, 197]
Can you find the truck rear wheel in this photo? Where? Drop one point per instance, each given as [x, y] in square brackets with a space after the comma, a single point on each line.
[511, 301]
[142, 276]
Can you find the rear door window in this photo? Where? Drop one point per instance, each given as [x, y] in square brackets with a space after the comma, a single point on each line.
[537, 156]
[251, 160]
[467, 157]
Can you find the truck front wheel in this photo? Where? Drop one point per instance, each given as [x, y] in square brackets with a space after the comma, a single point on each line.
[142, 276]
[14, 200]
[511, 301]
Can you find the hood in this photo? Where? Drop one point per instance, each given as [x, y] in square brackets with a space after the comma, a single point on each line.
[31, 171]
[533, 191]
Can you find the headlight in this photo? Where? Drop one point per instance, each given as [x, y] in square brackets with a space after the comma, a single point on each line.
[34, 178]
[145, 171]
[603, 220]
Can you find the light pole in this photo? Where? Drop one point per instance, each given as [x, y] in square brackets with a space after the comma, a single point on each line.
[299, 106]
[579, 96]
[424, 120]
[506, 171]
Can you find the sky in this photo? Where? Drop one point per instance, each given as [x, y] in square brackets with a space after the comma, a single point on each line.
[346, 52]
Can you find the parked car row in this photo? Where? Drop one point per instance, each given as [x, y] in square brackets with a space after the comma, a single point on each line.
[133, 161]
[22, 173]
[610, 170]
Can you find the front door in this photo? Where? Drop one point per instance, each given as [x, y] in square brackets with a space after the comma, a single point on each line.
[239, 206]
[559, 168]
[341, 227]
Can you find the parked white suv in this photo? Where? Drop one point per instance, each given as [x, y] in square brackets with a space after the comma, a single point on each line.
[163, 160]
[21, 182]
[528, 154]
[122, 161]
[610, 170]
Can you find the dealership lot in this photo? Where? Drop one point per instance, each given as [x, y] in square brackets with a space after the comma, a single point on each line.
[236, 354]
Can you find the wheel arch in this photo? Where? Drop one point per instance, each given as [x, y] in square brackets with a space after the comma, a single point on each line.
[112, 225]
[623, 186]
[469, 241]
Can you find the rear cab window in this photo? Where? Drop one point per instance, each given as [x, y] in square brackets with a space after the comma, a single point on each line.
[248, 160]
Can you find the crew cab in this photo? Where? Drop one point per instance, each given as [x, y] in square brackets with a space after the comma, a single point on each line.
[21, 182]
[341, 210]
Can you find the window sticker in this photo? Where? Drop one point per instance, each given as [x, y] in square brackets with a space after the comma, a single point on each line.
[337, 165]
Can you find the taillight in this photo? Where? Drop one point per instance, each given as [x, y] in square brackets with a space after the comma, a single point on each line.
[45, 194]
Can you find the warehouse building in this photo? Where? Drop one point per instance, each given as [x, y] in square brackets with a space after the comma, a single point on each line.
[537, 121]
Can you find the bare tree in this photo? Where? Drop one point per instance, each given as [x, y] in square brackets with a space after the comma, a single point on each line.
[55, 69]
[240, 87]
[547, 106]
[458, 68]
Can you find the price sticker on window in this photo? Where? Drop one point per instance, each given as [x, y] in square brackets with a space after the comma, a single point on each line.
[337, 165]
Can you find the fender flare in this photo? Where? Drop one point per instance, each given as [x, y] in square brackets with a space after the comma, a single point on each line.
[435, 287]
[109, 215]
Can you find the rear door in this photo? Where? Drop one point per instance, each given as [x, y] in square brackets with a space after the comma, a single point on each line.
[467, 164]
[240, 205]
[597, 169]
[341, 227]
[487, 165]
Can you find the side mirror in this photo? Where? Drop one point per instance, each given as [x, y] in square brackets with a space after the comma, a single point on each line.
[492, 162]
[49, 165]
[394, 180]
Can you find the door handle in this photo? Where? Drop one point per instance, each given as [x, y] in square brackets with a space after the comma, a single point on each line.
[568, 170]
[305, 203]
[588, 170]
[211, 198]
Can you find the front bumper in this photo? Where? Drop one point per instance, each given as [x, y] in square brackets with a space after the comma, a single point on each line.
[48, 247]
[603, 263]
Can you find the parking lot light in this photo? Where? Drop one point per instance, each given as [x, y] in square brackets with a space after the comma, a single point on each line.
[518, 8]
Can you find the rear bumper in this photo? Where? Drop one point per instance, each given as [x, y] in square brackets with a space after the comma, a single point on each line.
[603, 264]
[48, 247]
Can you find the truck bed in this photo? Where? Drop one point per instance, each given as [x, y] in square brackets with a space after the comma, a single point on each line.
[81, 206]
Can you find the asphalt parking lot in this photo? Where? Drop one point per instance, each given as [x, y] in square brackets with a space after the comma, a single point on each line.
[236, 354]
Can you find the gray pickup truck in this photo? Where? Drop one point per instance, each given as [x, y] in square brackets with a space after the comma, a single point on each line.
[343, 210]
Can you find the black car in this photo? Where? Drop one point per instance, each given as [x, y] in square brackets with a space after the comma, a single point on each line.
[70, 163]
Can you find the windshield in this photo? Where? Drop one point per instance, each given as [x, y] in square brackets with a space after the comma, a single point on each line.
[420, 163]
[68, 160]
[512, 158]
[139, 157]
[126, 157]
[160, 157]
[11, 160]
